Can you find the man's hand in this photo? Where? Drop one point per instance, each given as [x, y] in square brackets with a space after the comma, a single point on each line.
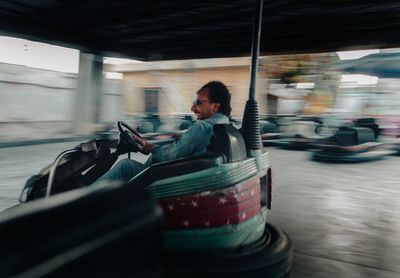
[146, 146]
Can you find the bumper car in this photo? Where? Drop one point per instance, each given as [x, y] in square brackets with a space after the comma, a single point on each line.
[300, 135]
[351, 144]
[215, 205]
[273, 127]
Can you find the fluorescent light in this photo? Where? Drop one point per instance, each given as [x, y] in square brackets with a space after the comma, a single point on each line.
[305, 85]
[349, 55]
[119, 61]
[355, 80]
[113, 75]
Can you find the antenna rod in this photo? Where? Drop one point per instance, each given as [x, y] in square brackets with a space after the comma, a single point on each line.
[251, 120]
[255, 48]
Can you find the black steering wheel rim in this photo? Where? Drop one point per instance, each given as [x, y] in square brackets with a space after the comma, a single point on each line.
[123, 127]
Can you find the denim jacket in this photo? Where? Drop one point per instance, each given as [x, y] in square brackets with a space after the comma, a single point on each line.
[194, 141]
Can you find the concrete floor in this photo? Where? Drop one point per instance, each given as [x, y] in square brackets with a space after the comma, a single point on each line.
[344, 219]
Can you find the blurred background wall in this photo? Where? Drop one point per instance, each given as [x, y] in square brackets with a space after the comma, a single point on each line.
[37, 103]
[176, 83]
[41, 103]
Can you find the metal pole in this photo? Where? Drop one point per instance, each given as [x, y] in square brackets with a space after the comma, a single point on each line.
[255, 48]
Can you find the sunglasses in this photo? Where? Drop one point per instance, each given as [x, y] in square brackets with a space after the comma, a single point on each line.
[198, 102]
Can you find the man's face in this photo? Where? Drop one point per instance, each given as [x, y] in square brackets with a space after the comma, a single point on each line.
[202, 106]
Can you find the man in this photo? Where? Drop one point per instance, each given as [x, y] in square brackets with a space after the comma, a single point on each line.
[211, 106]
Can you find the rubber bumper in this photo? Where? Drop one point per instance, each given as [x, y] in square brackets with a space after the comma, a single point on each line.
[213, 208]
[271, 256]
[295, 144]
[324, 156]
[223, 237]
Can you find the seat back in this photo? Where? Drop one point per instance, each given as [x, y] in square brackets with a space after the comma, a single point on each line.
[229, 142]
[349, 136]
[368, 123]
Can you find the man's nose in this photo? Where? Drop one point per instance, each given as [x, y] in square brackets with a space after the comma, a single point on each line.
[193, 108]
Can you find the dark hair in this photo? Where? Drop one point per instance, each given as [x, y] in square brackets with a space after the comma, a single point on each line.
[219, 93]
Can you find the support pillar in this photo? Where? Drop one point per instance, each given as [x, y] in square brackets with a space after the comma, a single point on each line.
[89, 93]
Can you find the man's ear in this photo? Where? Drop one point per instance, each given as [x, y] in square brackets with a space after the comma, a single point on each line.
[216, 106]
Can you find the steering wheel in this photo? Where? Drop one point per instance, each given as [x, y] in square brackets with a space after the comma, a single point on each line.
[128, 142]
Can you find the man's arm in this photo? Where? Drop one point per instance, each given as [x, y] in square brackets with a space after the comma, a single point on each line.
[193, 141]
[146, 146]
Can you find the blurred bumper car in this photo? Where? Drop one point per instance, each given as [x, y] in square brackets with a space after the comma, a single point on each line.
[351, 144]
[106, 231]
[269, 133]
[272, 127]
[301, 135]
